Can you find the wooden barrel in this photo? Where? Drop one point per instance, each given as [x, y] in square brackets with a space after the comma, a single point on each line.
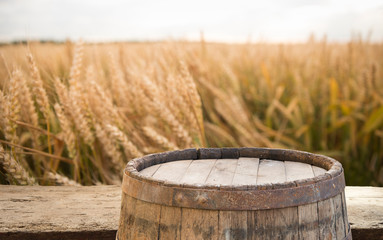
[233, 193]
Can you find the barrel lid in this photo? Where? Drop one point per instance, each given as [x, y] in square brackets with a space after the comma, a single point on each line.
[237, 172]
[233, 178]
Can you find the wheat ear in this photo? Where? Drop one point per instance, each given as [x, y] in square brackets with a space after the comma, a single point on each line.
[25, 97]
[63, 95]
[77, 101]
[3, 109]
[118, 84]
[164, 112]
[109, 147]
[158, 138]
[102, 104]
[38, 88]
[60, 180]
[66, 128]
[14, 169]
[11, 110]
[129, 148]
[75, 71]
[194, 99]
[80, 118]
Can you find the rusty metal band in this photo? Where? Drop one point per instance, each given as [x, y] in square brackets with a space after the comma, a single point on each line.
[253, 197]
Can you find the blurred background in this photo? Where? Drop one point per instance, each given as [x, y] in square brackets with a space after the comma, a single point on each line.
[220, 21]
[86, 86]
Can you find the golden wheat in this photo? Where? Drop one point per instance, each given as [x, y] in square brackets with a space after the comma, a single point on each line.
[158, 138]
[38, 88]
[142, 98]
[60, 180]
[25, 96]
[14, 170]
[129, 148]
[66, 128]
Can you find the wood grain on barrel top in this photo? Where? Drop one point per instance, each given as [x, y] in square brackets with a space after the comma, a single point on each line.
[235, 172]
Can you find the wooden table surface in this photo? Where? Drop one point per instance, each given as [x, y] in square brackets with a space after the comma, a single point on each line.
[37, 212]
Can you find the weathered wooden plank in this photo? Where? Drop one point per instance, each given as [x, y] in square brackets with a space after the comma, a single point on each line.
[346, 213]
[92, 212]
[253, 231]
[198, 171]
[149, 171]
[146, 223]
[233, 225]
[308, 221]
[365, 212]
[285, 221]
[307, 214]
[318, 171]
[298, 170]
[246, 171]
[365, 192]
[199, 224]
[172, 171]
[326, 219]
[285, 224]
[43, 212]
[273, 223]
[247, 166]
[127, 218]
[271, 172]
[170, 227]
[222, 172]
[339, 218]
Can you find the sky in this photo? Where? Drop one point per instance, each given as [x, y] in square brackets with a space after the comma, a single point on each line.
[219, 20]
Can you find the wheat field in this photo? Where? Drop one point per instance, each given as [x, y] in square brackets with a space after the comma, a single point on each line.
[75, 113]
